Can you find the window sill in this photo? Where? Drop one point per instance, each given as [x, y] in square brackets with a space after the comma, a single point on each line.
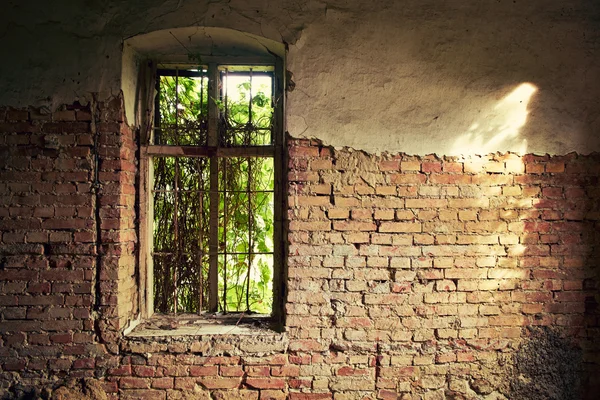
[218, 336]
[162, 325]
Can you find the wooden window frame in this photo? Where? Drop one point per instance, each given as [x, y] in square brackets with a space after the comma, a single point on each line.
[214, 152]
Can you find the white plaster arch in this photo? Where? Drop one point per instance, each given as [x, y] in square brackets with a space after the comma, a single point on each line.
[181, 45]
[175, 44]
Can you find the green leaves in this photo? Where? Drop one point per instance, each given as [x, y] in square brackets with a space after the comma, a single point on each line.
[246, 210]
[183, 110]
[182, 204]
[260, 100]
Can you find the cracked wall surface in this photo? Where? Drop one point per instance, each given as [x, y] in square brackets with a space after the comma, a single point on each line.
[412, 76]
[408, 274]
[407, 277]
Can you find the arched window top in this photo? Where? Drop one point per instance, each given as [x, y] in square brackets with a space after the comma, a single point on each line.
[179, 44]
[186, 47]
[218, 98]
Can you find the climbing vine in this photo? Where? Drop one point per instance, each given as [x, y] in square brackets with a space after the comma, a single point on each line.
[182, 202]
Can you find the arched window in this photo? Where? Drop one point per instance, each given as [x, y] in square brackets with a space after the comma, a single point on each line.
[211, 172]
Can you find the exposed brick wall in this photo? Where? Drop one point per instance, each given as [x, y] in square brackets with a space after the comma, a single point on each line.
[59, 314]
[117, 215]
[446, 262]
[410, 277]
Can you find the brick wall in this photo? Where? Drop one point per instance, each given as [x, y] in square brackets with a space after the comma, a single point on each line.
[453, 269]
[60, 284]
[408, 277]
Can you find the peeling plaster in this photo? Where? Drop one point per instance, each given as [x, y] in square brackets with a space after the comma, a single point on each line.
[401, 79]
[411, 76]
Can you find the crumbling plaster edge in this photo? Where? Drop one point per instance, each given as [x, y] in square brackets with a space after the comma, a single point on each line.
[388, 154]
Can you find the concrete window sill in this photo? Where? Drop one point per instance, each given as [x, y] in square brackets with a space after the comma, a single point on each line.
[207, 336]
[161, 325]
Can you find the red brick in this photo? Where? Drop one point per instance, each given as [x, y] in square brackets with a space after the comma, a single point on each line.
[310, 396]
[17, 115]
[286, 370]
[300, 383]
[143, 371]
[301, 151]
[349, 371]
[389, 165]
[221, 383]
[84, 363]
[40, 287]
[555, 167]
[134, 383]
[62, 338]
[266, 383]
[235, 370]
[184, 383]
[447, 179]
[431, 167]
[163, 383]
[14, 365]
[197, 370]
[452, 167]
[121, 370]
[257, 370]
[385, 394]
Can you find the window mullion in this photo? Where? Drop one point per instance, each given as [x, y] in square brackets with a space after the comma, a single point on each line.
[200, 254]
[225, 163]
[280, 205]
[213, 242]
[176, 238]
[250, 228]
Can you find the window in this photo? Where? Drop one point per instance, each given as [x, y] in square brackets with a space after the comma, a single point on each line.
[213, 196]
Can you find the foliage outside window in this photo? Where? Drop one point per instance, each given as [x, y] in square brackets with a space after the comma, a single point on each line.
[213, 190]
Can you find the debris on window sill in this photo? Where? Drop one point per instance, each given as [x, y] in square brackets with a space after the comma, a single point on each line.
[205, 324]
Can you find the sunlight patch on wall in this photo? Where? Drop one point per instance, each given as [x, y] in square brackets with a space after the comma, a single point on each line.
[519, 249]
[499, 127]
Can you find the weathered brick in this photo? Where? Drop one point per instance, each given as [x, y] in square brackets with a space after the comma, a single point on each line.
[266, 383]
[133, 383]
[354, 226]
[399, 227]
[446, 254]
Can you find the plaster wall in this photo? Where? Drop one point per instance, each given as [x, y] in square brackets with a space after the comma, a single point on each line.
[445, 77]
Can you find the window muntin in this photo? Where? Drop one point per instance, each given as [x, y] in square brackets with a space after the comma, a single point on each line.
[184, 91]
[214, 207]
[246, 219]
[181, 232]
[247, 114]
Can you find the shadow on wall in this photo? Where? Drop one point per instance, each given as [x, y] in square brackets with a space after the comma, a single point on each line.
[548, 366]
[559, 245]
[552, 208]
[499, 125]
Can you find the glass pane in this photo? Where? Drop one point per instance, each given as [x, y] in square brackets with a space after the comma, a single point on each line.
[233, 174]
[164, 208]
[181, 233]
[263, 177]
[189, 269]
[183, 116]
[245, 184]
[163, 282]
[263, 222]
[164, 173]
[246, 233]
[246, 109]
[245, 290]
[195, 173]
[261, 284]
